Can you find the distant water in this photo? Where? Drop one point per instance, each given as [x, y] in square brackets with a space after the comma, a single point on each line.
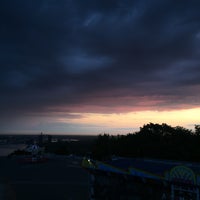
[6, 149]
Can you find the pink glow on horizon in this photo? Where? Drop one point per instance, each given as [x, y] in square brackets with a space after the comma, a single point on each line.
[134, 120]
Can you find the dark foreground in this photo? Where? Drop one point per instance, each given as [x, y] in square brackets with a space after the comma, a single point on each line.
[59, 178]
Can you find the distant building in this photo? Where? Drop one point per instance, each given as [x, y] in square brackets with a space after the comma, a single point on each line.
[143, 179]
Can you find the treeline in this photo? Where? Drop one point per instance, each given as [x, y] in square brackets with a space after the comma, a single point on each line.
[160, 141]
[80, 146]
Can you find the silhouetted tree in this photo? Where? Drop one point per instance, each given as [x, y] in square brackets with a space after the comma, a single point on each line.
[197, 129]
[152, 140]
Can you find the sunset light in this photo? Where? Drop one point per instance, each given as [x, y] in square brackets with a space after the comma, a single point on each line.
[123, 123]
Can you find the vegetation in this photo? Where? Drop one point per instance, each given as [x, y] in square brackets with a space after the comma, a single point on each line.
[159, 141]
[60, 148]
[80, 145]
[19, 152]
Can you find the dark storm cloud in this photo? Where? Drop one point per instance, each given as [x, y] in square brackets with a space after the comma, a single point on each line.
[79, 54]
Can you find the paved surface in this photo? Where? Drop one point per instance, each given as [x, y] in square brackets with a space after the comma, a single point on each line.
[61, 179]
[2, 192]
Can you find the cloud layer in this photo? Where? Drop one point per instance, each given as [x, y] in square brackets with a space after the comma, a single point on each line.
[98, 56]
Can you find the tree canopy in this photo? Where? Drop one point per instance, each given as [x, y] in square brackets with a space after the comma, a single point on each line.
[159, 141]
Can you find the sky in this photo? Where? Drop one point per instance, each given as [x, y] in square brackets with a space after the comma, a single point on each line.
[98, 66]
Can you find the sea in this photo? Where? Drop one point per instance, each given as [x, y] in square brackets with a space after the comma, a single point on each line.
[6, 149]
